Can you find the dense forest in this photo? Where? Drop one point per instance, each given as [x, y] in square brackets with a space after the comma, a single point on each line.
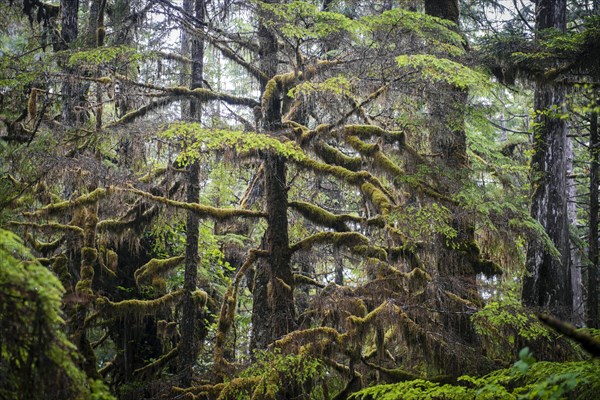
[282, 199]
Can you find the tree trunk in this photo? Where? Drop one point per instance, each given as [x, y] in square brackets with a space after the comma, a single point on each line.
[593, 320]
[547, 284]
[273, 313]
[68, 34]
[575, 249]
[191, 315]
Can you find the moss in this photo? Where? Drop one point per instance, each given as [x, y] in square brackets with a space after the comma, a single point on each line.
[153, 174]
[367, 150]
[44, 247]
[157, 364]
[377, 197]
[227, 313]
[59, 266]
[348, 239]
[333, 156]
[460, 300]
[300, 279]
[83, 200]
[51, 226]
[219, 214]
[323, 217]
[487, 267]
[89, 255]
[200, 297]
[155, 267]
[372, 131]
[370, 251]
[137, 308]
[340, 172]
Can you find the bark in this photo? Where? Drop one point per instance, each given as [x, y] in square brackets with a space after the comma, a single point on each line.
[575, 249]
[273, 313]
[70, 91]
[593, 320]
[191, 322]
[453, 261]
[547, 284]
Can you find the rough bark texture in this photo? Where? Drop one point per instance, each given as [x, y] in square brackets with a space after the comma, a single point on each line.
[593, 320]
[191, 315]
[547, 284]
[452, 260]
[575, 248]
[68, 34]
[273, 313]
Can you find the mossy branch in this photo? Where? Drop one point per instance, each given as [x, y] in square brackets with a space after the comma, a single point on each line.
[83, 200]
[227, 312]
[156, 267]
[219, 214]
[587, 341]
[137, 308]
[323, 217]
[140, 112]
[158, 364]
[333, 156]
[300, 279]
[348, 239]
[45, 247]
[51, 227]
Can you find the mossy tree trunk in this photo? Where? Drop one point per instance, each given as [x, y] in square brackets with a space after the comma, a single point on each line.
[273, 313]
[191, 319]
[593, 320]
[453, 268]
[547, 284]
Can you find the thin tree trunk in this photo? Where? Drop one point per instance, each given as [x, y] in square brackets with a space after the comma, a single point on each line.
[547, 284]
[593, 320]
[191, 315]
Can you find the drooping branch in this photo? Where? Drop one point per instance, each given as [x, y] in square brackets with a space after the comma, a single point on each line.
[50, 226]
[83, 200]
[587, 341]
[156, 267]
[219, 214]
[227, 313]
[323, 217]
[348, 239]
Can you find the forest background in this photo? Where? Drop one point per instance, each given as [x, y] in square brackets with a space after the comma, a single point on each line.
[222, 199]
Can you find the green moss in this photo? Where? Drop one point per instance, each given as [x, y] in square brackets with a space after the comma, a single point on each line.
[300, 279]
[44, 247]
[348, 239]
[333, 156]
[86, 199]
[155, 267]
[50, 227]
[137, 308]
[370, 251]
[89, 255]
[373, 131]
[219, 214]
[377, 197]
[323, 217]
